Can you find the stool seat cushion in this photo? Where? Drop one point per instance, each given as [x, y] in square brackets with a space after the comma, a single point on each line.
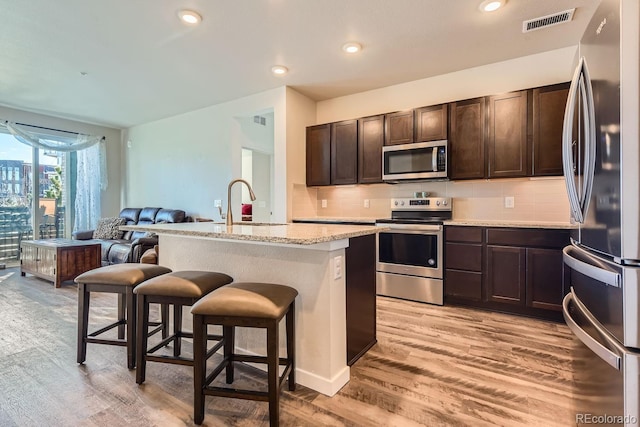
[261, 300]
[189, 284]
[128, 274]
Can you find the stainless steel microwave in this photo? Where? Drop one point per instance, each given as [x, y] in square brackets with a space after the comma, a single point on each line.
[420, 160]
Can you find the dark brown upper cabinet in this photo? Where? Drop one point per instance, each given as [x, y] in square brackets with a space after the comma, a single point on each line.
[431, 123]
[507, 136]
[467, 139]
[344, 152]
[319, 155]
[370, 142]
[399, 128]
[546, 116]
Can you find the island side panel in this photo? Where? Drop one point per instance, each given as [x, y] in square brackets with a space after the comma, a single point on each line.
[320, 305]
[361, 296]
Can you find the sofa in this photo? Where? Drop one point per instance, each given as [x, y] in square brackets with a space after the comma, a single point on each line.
[132, 244]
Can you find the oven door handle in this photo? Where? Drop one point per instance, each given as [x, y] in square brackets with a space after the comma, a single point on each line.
[402, 228]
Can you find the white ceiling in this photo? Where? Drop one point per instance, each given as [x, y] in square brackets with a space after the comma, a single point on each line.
[142, 64]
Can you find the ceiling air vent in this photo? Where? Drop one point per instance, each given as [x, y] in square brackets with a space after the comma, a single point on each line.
[547, 21]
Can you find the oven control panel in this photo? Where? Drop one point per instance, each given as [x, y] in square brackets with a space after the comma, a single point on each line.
[423, 204]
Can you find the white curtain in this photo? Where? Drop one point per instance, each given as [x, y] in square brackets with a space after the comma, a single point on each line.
[46, 142]
[88, 186]
[91, 166]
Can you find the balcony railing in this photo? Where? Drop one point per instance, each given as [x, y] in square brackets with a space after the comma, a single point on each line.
[15, 226]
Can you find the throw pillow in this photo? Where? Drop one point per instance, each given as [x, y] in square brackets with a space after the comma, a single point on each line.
[108, 228]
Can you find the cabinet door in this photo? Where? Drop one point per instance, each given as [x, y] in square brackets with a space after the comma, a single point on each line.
[399, 128]
[344, 152]
[505, 274]
[507, 136]
[431, 123]
[545, 281]
[370, 142]
[548, 106]
[319, 155]
[47, 261]
[466, 139]
[28, 257]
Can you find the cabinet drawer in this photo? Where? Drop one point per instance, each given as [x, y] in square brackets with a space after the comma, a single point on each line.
[463, 234]
[463, 284]
[529, 237]
[463, 256]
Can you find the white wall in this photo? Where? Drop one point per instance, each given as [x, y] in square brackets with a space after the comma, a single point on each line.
[111, 196]
[186, 161]
[301, 112]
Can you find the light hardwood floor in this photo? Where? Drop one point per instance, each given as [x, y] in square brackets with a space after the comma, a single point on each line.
[433, 366]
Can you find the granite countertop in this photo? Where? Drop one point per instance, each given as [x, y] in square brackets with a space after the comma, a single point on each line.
[336, 220]
[295, 234]
[512, 224]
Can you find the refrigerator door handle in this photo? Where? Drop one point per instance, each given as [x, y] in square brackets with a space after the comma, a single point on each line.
[590, 137]
[567, 141]
[612, 359]
[590, 266]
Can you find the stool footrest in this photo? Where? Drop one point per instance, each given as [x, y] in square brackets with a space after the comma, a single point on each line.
[262, 396]
[170, 359]
[105, 341]
[255, 359]
[240, 393]
[107, 328]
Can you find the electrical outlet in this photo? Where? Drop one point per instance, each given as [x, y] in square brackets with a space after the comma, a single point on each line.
[366, 203]
[324, 203]
[337, 267]
[217, 203]
[509, 202]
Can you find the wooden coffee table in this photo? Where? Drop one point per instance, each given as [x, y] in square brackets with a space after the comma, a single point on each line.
[58, 260]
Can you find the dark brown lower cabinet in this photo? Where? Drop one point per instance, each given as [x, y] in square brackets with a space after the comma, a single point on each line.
[506, 274]
[360, 263]
[544, 267]
[516, 270]
[463, 263]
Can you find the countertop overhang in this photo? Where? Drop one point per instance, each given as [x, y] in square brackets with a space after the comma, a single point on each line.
[293, 234]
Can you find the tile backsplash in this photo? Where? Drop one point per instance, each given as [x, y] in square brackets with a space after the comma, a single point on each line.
[535, 199]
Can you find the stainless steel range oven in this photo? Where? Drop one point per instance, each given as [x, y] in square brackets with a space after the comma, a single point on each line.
[409, 255]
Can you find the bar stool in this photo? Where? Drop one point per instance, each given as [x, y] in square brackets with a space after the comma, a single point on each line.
[254, 305]
[180, 288]
[118, 279]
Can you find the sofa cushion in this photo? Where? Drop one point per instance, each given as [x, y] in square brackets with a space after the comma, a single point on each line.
[131, 215]
[109, 228]
[170, 215]
[119, 253]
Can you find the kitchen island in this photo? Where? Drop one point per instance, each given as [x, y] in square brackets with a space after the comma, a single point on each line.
[308, 257]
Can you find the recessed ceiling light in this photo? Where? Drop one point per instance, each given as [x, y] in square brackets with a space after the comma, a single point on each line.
[279, 70]
[491, 5]
[189, 17]
[352, 47]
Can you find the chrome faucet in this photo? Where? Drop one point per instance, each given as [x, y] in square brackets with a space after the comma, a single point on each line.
[251, 194]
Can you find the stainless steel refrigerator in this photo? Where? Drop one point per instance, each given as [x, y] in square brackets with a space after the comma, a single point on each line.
[601, 154]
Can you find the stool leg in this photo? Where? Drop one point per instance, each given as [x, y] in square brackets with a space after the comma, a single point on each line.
[177, 329]
[291, 345]
[164, 319]
[131, 327]
[142, 339]
[229, 336]
[199, 367]
[273, 373]
[83, 321]
[121, 317]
